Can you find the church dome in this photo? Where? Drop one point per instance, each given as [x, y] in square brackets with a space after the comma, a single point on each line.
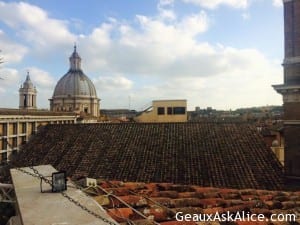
[75, 92]
[75, 83]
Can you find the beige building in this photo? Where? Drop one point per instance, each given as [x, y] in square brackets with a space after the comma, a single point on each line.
[16, 127]
[75, 92]
[162, 111]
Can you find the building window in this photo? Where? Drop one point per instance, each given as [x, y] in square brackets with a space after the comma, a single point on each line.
[14, 152]
[14, 142]
[4, 144]
[23, 128]
[179, 110]
[15, 128]
[33, 131]
[170, 110]
[4, 156]
[4, 130]
[160, 111]
[23, 140]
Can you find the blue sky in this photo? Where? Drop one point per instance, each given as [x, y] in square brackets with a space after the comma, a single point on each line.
[220, 53]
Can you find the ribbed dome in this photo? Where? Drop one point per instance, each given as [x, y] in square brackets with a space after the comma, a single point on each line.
[75, 83]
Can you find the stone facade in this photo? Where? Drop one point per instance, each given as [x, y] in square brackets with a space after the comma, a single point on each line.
[75, 92]
[290, 90]
[27, 95]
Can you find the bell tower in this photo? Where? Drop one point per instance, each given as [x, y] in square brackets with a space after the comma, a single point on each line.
[290, 89]
[27, 94]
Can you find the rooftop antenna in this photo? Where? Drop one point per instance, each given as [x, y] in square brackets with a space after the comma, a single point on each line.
[1, 61]
[129, 102]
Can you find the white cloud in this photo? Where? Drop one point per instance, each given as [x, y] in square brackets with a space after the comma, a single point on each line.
[277, 3]
[35, 26]
[10, 77]
[149, 58]
[166, 2]
[148, 47]
[212, 4]
[246, 16]
[11, 52]
[9, 86]
[165, 9]
[40, 78]
[111, 83]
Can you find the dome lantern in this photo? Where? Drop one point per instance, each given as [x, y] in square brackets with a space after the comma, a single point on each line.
[75, 60]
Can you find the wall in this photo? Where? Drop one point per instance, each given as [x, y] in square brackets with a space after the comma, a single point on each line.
[164, 111]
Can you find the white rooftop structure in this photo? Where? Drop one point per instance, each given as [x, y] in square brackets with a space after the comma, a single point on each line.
[35, 208]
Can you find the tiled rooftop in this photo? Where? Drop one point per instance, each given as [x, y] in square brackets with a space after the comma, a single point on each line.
[208, 154]
[23, 112]
[159, 202]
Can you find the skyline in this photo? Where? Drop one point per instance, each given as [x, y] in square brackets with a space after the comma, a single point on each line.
[224, 54]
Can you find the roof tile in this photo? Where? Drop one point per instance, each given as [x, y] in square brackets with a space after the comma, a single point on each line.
[231, 155]
[163, 209]
[120, 214]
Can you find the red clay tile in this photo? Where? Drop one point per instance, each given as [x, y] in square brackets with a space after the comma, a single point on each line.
[288, 205]
[257, 211]
[199, 189]
[189, 210]
[231, 196]
[212, 194]
[248, 192]
[120, 214]
[121, 191]
[151, 186]
[134, 200]
[187, 194]
[211, 202]
[252, 223]
[163, 201]
[264, 192]
[213, 210]
[184, 202]
[273, 204]
[235, 202]
[134, 185]
[281, 198]
[166, 194]
[159, 214]
[248, 197]
[163, 186]
[237, 208]
[178, 223]
[182, 188]
[266, 197]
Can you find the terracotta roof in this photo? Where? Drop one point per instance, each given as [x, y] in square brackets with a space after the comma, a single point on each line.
[33, 112]
[159, 202]
[207, 154]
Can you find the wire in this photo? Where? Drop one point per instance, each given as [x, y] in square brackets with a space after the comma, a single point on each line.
[64, 194]
[146, 197]
[126, 204]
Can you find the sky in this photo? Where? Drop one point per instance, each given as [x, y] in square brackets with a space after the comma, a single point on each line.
[224, 54]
